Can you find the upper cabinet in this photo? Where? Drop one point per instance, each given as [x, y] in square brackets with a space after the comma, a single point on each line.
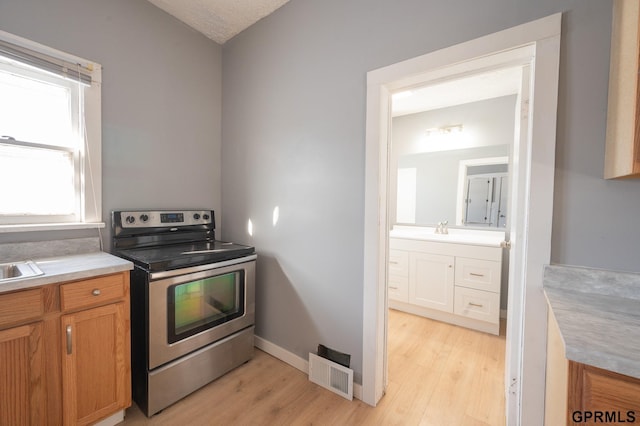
[622, 154]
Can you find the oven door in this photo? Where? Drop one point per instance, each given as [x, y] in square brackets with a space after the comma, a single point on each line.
[189, 311]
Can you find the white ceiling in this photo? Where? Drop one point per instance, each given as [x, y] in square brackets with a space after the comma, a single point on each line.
[219, 19]
[478, 87]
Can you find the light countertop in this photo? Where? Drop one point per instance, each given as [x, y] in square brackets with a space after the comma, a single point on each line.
[454, 235]
[68, 268]
[598, 316]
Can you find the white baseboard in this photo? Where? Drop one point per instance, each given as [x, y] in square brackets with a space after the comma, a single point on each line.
[112, 420]
[293, 360]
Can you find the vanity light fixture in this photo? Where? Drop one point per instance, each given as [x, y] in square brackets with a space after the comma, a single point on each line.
[445, 130]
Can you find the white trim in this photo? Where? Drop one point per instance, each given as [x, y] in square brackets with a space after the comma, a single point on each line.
[45, 50]
[282, 354]
[112, 420]
[518, 45]
[90, 151]
[293, 360]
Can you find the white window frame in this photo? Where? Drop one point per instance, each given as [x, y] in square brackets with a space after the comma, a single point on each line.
[89, 162]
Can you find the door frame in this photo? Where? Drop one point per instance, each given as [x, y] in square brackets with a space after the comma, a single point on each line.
[536, 44]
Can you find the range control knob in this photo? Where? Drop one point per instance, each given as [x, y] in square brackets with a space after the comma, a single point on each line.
[130, 219]
[196, 216]
[144, 217]
[205, 217]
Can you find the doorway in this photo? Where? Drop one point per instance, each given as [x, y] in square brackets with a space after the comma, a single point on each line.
[454, 176]
[537, 46]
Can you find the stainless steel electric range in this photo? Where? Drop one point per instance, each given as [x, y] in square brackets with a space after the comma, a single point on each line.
[192, 302]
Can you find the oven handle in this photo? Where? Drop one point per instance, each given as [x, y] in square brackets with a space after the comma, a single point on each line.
[199, 268]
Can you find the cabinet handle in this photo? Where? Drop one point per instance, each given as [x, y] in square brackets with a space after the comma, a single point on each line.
[476, 275]
[96, 292]
[69, 341]
[393, 262]
[475, 304]
[393, 288]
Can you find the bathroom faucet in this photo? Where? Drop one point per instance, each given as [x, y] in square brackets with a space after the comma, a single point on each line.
[442, 227]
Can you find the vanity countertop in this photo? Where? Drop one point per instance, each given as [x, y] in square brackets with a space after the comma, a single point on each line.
[598, 316]
[68, 268]
[454, 235]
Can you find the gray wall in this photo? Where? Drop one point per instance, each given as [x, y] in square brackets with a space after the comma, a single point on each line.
[294, 137]
[161, 99]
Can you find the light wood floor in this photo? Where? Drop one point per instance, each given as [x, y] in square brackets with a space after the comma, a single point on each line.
[439, 374]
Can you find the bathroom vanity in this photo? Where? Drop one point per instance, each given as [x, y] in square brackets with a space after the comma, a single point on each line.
[453, 277]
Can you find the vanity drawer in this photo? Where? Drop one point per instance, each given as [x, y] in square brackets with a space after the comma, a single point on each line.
[477, 304]
[92, 292]
[478, 274]
[21, 306]
[399, 263]
[399, 288]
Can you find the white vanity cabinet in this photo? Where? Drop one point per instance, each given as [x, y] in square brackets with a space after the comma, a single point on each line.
[398, 282]
[431, 280]
[451, 282]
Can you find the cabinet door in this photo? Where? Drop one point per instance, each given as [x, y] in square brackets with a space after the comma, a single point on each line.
[22, 399]
[592, 389]
[431, 280]
[95, 366]
[479, 190]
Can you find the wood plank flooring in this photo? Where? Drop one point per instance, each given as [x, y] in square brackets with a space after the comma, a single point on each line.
[439, 374]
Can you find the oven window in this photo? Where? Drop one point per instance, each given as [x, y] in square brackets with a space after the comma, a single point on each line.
[196, 306]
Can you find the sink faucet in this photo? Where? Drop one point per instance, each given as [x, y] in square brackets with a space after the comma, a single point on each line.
[442, 228]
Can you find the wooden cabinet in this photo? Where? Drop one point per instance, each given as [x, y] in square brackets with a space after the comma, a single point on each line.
[431, 280]
[578, 394]
[593, 390]
[94, 384]
[622, 153]
[21, 376]
[65, 352]
[455, 283]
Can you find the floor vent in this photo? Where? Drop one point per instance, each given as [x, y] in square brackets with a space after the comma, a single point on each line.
[328, 374]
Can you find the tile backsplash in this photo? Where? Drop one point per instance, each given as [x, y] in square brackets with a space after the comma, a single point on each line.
[12, 252]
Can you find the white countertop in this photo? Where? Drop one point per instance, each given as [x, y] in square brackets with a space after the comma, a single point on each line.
[68, 268]
[597, 314]
[455, 235]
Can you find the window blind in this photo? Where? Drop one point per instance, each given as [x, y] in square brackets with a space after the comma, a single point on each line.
[57, 66]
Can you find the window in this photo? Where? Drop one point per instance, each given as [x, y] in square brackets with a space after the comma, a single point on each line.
[50, 137]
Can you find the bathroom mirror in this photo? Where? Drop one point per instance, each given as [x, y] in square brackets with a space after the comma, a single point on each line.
[453, 164]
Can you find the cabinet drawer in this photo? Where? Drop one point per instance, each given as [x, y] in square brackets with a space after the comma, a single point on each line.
[21, 306]
[399, 263]
[92, 292]
[477, 304]
[399, 288]
[478, 274]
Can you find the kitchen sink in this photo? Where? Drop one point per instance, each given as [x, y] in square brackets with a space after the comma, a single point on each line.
[18, 270]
